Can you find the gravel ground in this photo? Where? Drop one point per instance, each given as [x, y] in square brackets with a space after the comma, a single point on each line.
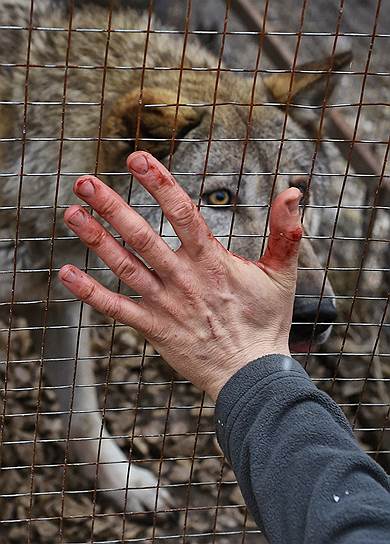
[212, 481]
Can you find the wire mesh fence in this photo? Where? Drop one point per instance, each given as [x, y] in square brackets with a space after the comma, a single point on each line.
[99, 440]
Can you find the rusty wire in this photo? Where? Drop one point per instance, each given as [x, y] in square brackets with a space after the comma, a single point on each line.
[370, 208]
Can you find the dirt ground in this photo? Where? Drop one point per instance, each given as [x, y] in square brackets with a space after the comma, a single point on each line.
[209, 506]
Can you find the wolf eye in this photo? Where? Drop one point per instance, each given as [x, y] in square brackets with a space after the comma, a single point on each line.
[221, 197]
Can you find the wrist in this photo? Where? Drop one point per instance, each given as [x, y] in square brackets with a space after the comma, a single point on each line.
[237, 363]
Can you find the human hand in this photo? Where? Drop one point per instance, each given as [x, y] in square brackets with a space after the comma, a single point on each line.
[207, 311]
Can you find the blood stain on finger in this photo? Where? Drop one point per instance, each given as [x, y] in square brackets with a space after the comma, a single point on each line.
[160, 177]
[282, 247]
[295, 235]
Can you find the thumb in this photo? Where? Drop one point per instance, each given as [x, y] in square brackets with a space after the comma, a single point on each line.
[286, 232]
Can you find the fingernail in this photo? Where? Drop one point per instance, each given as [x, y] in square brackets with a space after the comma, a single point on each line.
[78, 218]
[293, 205]
[139, 164]
[85, 187]
[70, 275]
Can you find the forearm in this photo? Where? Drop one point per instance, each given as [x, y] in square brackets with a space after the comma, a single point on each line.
[301, 472]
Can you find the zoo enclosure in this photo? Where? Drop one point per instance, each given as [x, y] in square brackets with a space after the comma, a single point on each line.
[38, 508]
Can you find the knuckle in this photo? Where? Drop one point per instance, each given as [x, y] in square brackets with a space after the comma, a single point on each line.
[183, 213]
[108, 208]
[142, 238]
[157, 332]
[96, 238]
[88, 292]
[111, 306]
[294, 235]
[188, 287]
[125, 269]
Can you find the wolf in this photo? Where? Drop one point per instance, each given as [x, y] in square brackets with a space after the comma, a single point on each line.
[75, 99]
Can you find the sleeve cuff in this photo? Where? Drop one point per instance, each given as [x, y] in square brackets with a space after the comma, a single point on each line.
[250, 380]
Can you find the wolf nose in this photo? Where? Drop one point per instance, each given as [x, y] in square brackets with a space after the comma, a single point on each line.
[307, 312]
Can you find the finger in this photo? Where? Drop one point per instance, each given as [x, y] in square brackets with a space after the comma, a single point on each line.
[285, 233]
[103, 300]
[177, 206]
[132, 227]
[124, 264]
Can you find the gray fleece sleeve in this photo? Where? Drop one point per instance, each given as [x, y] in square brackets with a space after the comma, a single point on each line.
[301, 472]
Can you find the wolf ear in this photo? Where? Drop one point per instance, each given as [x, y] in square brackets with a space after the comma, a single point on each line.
[144, 119]
[307, 88]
